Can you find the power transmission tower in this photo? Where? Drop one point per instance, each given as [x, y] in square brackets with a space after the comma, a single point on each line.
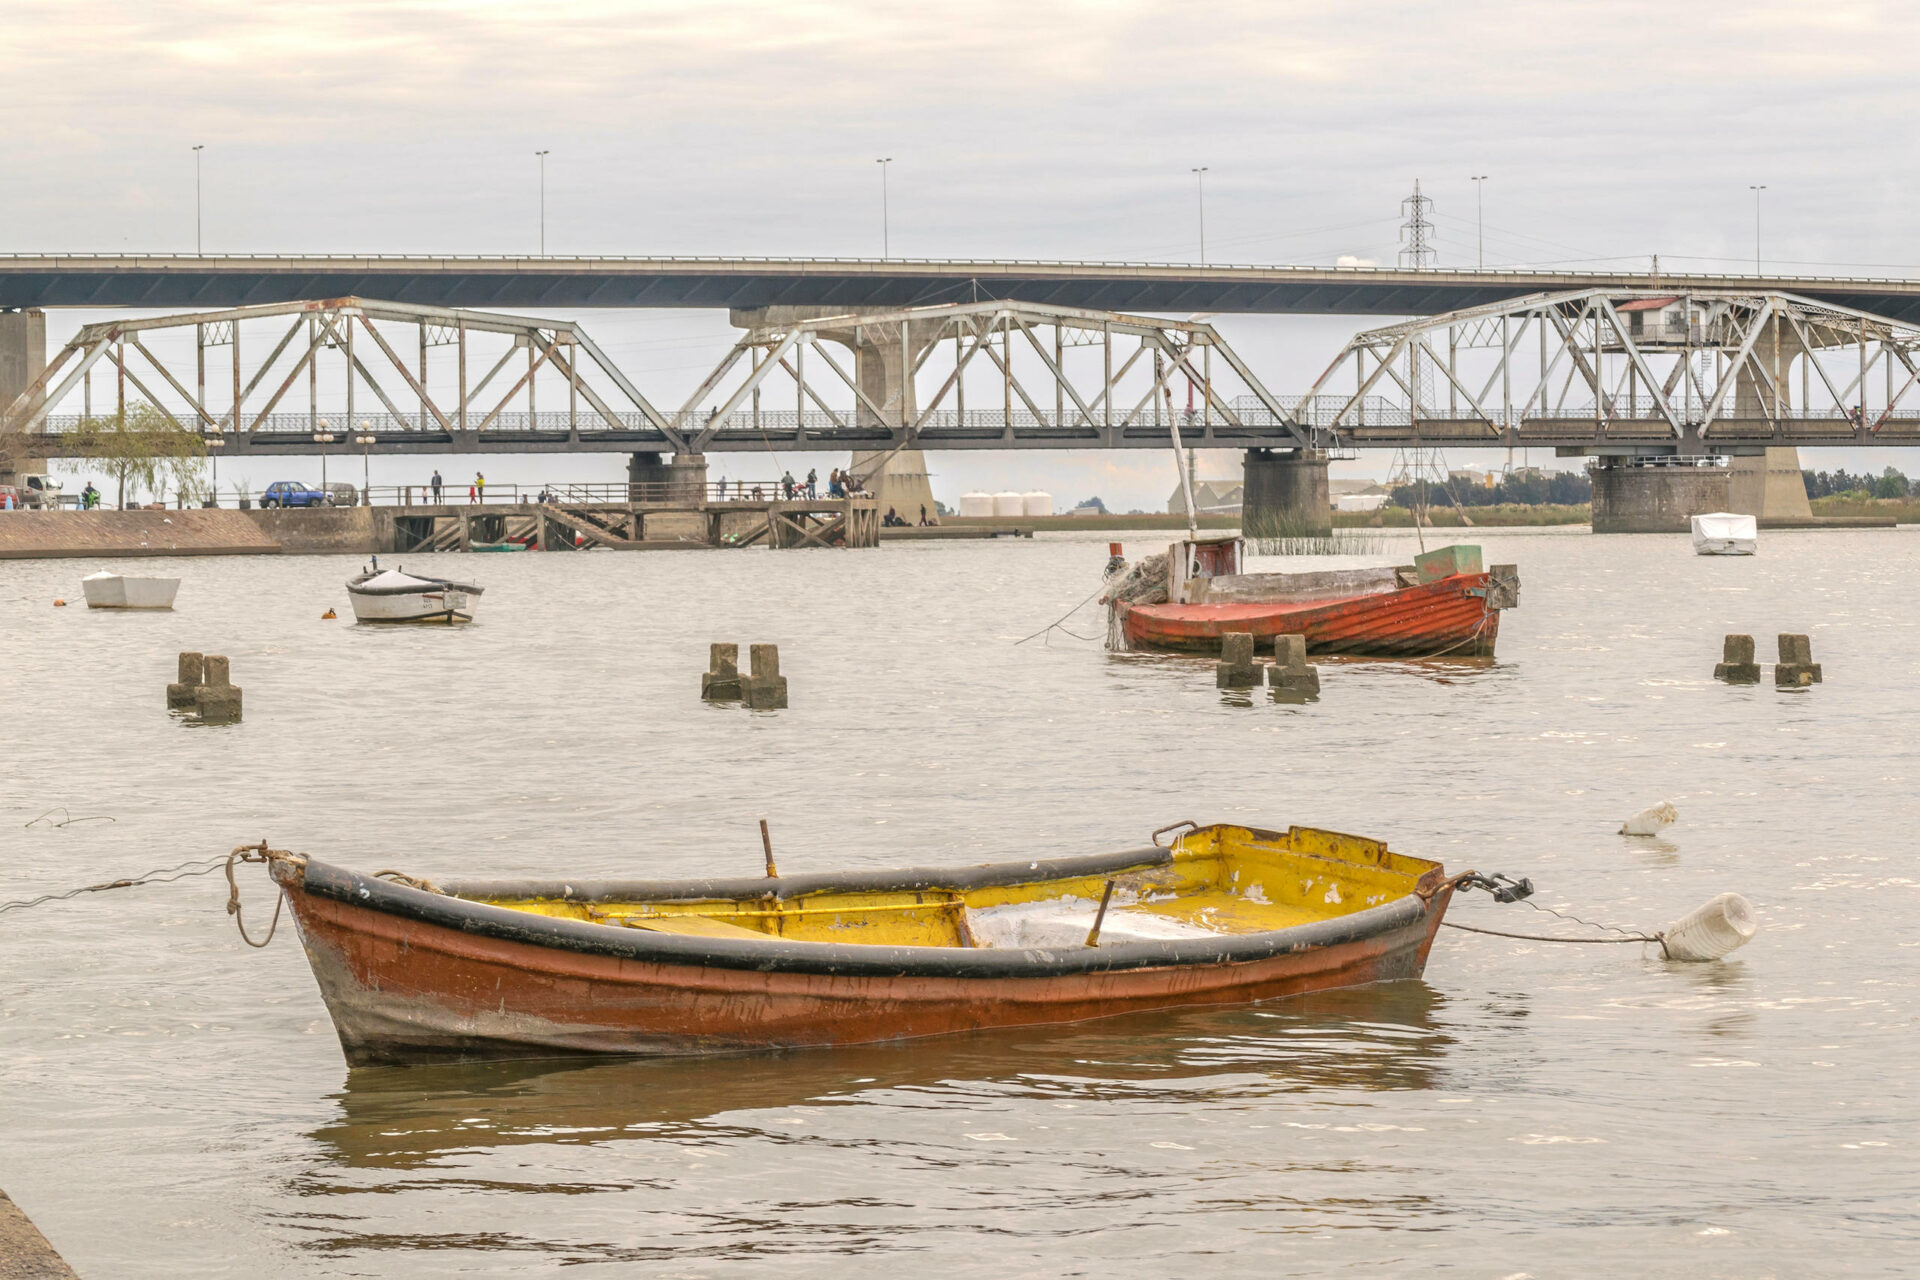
[1416, 233]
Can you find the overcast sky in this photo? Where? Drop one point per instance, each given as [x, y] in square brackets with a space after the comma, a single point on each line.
[1608, 132]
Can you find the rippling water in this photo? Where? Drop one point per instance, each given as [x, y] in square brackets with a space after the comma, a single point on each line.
[174, 1104]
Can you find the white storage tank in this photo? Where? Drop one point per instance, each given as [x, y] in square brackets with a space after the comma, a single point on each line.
[976, 504]
[1008, 504]
[1036, 502]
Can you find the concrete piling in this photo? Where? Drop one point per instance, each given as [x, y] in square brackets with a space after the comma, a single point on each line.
[1796, 667]
[765, 689]
[1290, 670]
[193, 674]
[721, 680]
[1736, 665]
[217, 700]
[1236, 669]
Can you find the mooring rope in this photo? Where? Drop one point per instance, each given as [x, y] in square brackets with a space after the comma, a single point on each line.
[1055, 625]
[1542, 937]
[161, 875]
[183, 871]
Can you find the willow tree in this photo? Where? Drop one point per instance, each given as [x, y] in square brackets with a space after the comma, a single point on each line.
[147, 448]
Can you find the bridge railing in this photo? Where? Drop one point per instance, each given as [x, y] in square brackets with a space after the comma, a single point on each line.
[786, 427]
[509, 493]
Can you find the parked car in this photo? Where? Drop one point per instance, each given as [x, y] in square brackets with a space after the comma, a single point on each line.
[292, 493]
[343, 495]
[10, 498]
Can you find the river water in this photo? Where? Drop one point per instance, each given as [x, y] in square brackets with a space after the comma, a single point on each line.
[175, 1104]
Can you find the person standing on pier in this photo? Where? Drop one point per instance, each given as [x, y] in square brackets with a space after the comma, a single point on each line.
[813, 483]
[478, 492]
[436, 486]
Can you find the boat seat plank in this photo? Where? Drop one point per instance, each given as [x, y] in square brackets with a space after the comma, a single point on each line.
[692, 927]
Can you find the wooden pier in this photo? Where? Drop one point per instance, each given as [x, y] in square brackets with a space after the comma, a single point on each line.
[635, 526]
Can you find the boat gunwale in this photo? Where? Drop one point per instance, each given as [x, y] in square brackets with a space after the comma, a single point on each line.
[985, 875]
[861, 960]
[356, 585]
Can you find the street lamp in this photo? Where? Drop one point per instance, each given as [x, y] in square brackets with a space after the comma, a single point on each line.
[366, 441]
[543, 202]
[1756, 224]
[198, 148]
[214, 440]
[1480, 215]
[885, 236]
[1200, 178]
[323, 438]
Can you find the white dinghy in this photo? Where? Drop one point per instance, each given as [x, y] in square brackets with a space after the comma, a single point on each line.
[109, 590]
[1724, 533]
[390, 595]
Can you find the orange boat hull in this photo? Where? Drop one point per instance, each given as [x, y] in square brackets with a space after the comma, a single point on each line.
[1450, 617]
[404, 989]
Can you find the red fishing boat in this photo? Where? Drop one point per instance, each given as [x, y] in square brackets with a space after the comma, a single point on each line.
[1444, 604]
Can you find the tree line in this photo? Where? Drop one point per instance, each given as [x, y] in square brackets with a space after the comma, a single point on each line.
[1840, 484]
[1521, 488]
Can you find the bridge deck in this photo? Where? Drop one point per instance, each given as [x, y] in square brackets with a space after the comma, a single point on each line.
[185, 280]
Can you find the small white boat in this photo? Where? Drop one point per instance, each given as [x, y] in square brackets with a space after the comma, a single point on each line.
[1723, 533]
[109, 590]
[389, 595]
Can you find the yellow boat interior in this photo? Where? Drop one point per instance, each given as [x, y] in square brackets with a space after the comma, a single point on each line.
[1211, 881]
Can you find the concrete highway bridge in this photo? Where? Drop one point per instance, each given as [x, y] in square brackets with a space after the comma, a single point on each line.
[1676, 385]
[174, 281]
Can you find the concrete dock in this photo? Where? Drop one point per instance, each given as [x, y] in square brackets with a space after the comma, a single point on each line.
[552, 526]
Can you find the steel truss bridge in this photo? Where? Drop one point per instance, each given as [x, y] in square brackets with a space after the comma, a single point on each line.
[117, 281]
[1629, 371]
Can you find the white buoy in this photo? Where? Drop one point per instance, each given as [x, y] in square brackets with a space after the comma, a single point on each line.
[1708, 932]
[1648, 822]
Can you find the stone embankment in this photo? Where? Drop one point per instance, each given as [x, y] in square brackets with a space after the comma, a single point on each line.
[34, 535]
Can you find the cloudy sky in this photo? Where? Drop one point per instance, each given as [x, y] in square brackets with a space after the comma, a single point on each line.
[1608, 132]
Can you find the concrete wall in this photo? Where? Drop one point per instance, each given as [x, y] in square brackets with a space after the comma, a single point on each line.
[1655, 499]
[319, 530]
[1285, 495]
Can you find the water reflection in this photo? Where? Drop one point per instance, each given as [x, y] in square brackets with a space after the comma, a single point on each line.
[1385, 1037]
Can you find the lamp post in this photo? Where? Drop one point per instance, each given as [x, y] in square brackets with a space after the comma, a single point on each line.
[1756, 224]
[214, 441]
[543, 202]
[1480, 216]
[198, 148]
[1200, 180]
[366, 441]
[886, 246]
[323, 438]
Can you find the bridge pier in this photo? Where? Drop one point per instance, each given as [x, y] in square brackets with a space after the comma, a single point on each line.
[680, 478]
[1645, 495]
[1284, 494]
[1631, 496]
[23, 357]
[883, 358]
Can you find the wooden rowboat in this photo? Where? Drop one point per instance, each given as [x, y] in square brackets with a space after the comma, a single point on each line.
[412, 971]
[1444, 604]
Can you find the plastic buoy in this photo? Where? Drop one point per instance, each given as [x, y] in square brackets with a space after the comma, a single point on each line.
[59, 604]
[1648, 822]
[328, 614]
[1708, 932]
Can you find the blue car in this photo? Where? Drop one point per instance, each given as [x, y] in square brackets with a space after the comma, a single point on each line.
[291, 493]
